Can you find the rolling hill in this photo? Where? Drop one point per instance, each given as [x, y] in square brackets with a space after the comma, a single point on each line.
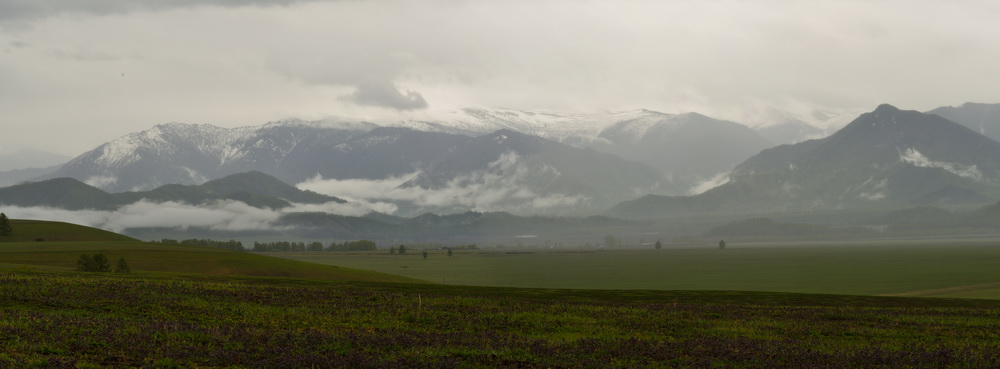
[64, 243]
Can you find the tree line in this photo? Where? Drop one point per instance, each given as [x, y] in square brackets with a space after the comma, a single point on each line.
[360, 245]
[100, 263]
[228, 245]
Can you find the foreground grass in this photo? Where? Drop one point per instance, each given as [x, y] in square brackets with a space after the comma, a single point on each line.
[68, 320]
[939, 268]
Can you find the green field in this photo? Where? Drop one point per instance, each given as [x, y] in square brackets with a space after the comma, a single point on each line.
[196, 307]
[943, 268]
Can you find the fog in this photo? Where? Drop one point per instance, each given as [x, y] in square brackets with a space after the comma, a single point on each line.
[220, 215]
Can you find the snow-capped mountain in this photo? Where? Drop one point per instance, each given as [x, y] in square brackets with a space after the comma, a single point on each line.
[497, 172]
[887, 157]
[687, 148]
[289, 150]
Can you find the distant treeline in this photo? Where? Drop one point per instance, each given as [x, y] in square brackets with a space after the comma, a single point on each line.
[228, 245]
[764, 228]
[361, 245]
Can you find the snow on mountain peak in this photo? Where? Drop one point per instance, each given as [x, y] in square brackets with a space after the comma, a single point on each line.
[563, 127]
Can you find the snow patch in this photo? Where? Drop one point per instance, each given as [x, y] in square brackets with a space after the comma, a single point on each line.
[913, 157]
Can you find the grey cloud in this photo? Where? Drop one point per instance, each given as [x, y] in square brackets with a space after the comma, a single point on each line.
[386, 94]
[36, 9]
[87, 55]
[371, 73]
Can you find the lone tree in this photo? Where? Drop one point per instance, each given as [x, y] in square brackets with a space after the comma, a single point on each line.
[449, 253]
[722, 244]
[402, 249]
[85, 263]
[122, 266]
[425, 254]
[93, 263]
[5, 228]
[102, 263]
[659, 245]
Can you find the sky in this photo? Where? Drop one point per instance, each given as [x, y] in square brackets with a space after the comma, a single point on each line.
[77, 73]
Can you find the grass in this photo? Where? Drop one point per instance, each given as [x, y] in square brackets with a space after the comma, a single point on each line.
[942, 268]
[81, 320]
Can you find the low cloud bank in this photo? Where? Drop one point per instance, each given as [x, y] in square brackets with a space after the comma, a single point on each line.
[501, 187]
[708, 184]
[221, 215]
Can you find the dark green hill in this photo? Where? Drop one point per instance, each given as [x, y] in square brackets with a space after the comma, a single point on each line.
[66, 193]
[253, 188]
[198, 195]
[258, 183]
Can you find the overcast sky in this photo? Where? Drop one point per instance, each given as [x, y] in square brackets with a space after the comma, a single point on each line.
[77, 73]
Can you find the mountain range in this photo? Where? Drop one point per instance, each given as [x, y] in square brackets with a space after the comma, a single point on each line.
[686, 148]
[493, 160]
[884, 158]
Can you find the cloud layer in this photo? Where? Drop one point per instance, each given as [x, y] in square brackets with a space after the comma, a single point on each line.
[69, 66]
[222, 215]
[501, 187]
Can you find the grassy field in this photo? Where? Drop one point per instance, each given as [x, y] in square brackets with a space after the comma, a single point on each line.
[81, 320]
[943, 268]
[194, 307]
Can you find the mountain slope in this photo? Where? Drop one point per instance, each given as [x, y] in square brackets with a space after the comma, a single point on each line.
[887, 157]
[982, 118]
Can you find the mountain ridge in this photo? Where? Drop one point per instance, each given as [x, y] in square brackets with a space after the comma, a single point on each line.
[886, 157]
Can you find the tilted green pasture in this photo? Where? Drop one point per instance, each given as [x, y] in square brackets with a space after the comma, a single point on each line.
[946, 268]
[145, 257]
[48, 231]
